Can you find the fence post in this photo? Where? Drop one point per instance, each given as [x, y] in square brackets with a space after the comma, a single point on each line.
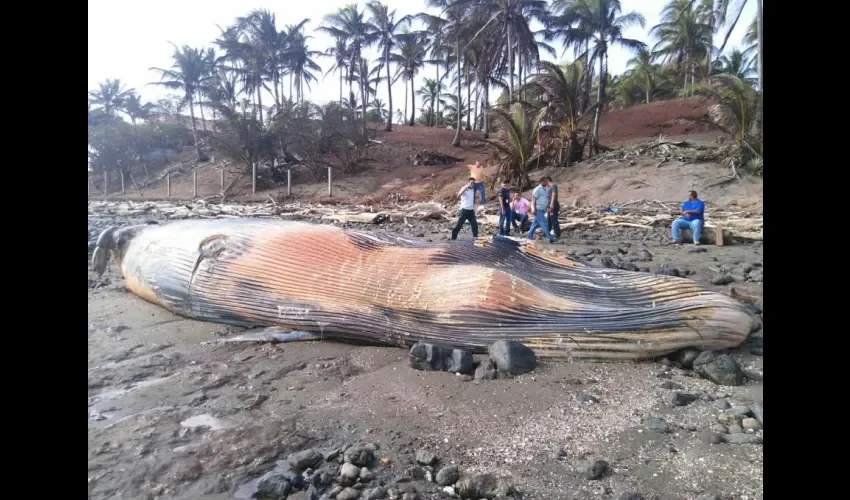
[330, 182]
[288, 182]
[122, 183]
[194, 183]
[105, 183]
[168, 184]
[254, 178]
[222, 179]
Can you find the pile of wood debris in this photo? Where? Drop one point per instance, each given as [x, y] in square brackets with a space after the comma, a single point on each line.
[664, 150]
[426, 157]
[739, 224]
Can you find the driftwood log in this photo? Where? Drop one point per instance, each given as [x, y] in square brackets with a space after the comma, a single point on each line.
[354, 286]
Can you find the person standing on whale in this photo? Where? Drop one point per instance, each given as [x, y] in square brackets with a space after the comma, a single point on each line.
[466, 195]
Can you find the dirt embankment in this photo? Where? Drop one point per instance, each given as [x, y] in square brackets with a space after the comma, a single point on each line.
[392, 175]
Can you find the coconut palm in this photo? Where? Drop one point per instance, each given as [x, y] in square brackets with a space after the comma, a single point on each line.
[560, 87]
[349, 24]
[299, 60]
[187, 73]
[685, 36]
[735, 110]
[386, 27]
[341, 58]
[135, 109]
[410, 58]
[644, 71]
[245, 46]
[452, 16]
[454, 111]
[110, 96]
[599, 24]
[430, 93]
[518, 143]
[736, 64]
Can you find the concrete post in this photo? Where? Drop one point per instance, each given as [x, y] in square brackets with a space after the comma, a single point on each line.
[168, 183]
[330, 182]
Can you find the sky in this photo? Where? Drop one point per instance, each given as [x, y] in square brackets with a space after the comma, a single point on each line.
[127, 37]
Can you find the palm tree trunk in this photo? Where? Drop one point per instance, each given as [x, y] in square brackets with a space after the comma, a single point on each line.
[201, 107]
[484, 106]
[468, 95]
[510, 69]
[340, 88]
[599, 99]
[194, 128]
[519, 72]
[437, 116]
[412, 104]
[276, 96]
[363, 104]
[405, 102]
[260, 100]
[759, 117]
[477, 96]
[389, 91]
[456, 140]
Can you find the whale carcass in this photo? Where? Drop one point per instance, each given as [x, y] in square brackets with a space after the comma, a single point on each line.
[356, 286]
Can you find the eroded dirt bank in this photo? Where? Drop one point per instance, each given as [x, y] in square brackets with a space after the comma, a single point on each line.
[174, 413]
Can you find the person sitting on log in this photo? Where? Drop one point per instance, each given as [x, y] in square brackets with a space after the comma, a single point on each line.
[693, 210]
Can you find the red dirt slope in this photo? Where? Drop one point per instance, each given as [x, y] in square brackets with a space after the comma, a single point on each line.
[647, 121]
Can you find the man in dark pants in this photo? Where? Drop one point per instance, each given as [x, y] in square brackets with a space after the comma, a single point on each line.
[554, 208]
[505, 215]
[466, 195]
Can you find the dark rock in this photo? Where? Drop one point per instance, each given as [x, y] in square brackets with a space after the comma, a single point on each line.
[756, 275]
[410, 495]
[630, 496]
[719, 368]
[760, 304]
[669, 384]
[758, 412]
[686, 357]
[482, 486]
[679, 398]
[360, 454]
[588, 251]
[722, 279]
[743, 439]
[710, 437]
[348, 494]
[630, 266]
[448, 475]
[658, 425]
[559, 453]
[756, 338]
[595, 469]
[305, 459]
[274, 486]
[587, 398]
[644, 256]
[669, 271]
[721, 404]
[425, 457]
[697, 250]
[486, 370]
[513, 357]
[682, 372]
[735, 429]
[433, 357]
[720, 429]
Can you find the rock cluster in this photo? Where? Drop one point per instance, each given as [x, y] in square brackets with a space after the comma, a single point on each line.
[507, 358]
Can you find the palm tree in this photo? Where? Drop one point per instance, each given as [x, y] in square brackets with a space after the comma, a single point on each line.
[245, 44]
[452, 17]
[386, 27]
[135, 109]
[518, 143]
[560, 86]
[110, 96]
[430, 93]
[410, 57]
[339, 53]
[735, 110]
[349, 24]
[454, 111]
[736, 64]
[600, 24]
[643, 70]
[438, 50]
[685, 35]
[187, 73]
[299, 60]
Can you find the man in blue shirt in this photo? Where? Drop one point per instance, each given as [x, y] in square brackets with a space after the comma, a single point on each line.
[539, 209]
[692, 218]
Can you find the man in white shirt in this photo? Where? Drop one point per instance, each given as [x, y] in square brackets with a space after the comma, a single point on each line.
[466, 195]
